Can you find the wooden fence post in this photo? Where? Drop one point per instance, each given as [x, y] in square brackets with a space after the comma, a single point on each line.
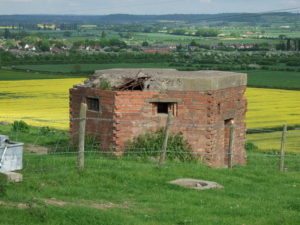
[166, 138]
[231, 146]
[283, 145]
[81, 136]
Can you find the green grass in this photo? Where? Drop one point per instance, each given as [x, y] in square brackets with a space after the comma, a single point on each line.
[18, 75]
[272, 141]
[67, 68]
[274, 79]
[256, 194]
[42, 136]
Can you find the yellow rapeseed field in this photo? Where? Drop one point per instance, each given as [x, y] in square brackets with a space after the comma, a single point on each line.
[272, 107]
[42, 100]
[37, 100]
[46, 26]
[88, 26]
[46, 103]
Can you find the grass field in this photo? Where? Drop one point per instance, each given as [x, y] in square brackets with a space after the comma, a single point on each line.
[18, 75]
[115, 192]
[272, 140]
[274, 79]
[67, 68]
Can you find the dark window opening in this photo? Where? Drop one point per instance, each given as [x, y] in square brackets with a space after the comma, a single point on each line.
[163, 107]
[93, 104]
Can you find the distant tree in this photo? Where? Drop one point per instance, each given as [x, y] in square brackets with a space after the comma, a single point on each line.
[67, 34]
[281, 36]
[204, 32]
[179, 31]
[59, 44]
[193, 43]
[288, 44]
[179, 47]
[7, 34]
[43, 46]
[280, 46]
[103, 34]
[147, 30]
[22, 44]
[145, 43]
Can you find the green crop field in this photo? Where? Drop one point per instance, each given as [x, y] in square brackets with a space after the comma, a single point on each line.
[274, 79]
[67, 68]
[20, 75]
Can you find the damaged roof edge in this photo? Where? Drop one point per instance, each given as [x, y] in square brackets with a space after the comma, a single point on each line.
[164, 80]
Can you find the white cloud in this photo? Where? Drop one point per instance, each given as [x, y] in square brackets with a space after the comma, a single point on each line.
[292, 2]
[21, 0]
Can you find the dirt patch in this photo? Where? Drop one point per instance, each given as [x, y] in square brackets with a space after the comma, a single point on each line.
[40, 150]
[83, 203]
[59, 203]
[15, 205]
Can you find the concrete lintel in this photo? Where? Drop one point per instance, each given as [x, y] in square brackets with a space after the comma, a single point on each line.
[163, 100]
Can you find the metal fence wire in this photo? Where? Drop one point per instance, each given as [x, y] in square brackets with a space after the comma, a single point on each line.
[48, 149]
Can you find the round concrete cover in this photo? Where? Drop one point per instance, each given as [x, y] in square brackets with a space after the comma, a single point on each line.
[196, 184]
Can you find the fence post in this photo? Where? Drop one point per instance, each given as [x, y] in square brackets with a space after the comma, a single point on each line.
[231, 145]
[81, 136]
[283, 145]
[166, 137]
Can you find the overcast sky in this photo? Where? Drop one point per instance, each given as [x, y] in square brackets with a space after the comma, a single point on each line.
[103, 7]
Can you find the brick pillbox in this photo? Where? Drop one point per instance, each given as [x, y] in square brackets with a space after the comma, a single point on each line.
[124, 103]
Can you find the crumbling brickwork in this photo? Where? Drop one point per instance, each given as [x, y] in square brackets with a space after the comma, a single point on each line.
[202, 116]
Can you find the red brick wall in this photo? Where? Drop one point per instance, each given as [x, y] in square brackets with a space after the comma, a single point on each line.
[199, 115]
[99, 124]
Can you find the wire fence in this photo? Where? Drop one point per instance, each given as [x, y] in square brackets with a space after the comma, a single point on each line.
[48, 149]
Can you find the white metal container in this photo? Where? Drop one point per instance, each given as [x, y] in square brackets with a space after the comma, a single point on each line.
[11, 155]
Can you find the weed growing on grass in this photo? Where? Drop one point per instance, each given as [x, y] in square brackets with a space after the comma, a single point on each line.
[150, 144]
[46, 130]
[105, 86]
[251, 147]
[40, 213]
[20, 126]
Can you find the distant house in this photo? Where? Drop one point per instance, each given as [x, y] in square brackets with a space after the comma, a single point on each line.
[56, 50]
[285, 27]
[97, 48]
[158, 48]
[29, 47]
